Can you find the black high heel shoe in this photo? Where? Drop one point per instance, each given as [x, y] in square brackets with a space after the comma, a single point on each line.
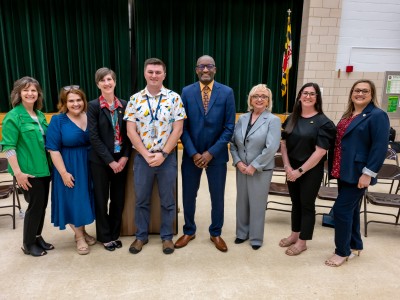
[41, 243]
[33, 250]
[240, 241]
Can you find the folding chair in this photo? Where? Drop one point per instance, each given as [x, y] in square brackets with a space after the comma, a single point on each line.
[386, 172]
[391, 172]
[328, 193]
[279, 188]
[8, 187]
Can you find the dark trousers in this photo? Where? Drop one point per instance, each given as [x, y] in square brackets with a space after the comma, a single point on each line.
[346, 213]
[37, 196]
[303, 193]
[144, 177]
[216, 176]
[108, 185]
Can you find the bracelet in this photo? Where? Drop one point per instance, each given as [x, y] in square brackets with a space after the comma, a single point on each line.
[285, 166]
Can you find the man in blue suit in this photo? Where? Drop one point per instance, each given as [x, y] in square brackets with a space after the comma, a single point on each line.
[210, 109]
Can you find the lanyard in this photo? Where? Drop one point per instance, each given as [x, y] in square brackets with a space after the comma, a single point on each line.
[114, 115]
[154, 117]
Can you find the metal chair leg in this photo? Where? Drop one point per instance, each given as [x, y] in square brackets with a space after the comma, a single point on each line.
[365, 216]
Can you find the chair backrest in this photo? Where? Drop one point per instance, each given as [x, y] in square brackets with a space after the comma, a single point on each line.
[391, 154]
[328, 193]
[390, 174]
[279, 166]
[3, 165]
[388, 171]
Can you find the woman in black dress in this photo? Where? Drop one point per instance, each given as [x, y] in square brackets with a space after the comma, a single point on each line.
[307, 136]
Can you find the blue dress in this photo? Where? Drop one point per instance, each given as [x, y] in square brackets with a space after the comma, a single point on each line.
[70, 205]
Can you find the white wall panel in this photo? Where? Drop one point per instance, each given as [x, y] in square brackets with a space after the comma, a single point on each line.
[369, 36]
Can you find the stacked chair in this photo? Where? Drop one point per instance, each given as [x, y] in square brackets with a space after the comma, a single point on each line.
[388, 174]
[9, 187]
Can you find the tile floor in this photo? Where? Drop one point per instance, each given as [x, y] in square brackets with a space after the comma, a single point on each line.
[200, 271]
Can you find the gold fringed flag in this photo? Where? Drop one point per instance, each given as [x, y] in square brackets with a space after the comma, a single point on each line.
[287, 57]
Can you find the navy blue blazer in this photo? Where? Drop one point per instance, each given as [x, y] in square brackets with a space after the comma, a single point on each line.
[364, 144]
[212, 131]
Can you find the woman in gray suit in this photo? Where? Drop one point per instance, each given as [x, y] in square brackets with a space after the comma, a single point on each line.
[253, 146]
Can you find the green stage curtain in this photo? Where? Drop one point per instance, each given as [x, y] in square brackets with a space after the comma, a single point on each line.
[63, 42]
[245, 37]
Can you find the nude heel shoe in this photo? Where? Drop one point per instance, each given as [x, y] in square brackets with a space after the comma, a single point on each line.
[354, 253]
[81, 246]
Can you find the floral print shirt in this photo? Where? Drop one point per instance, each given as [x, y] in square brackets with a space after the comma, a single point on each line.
[155, 127]
[337, 158]
[114, 120]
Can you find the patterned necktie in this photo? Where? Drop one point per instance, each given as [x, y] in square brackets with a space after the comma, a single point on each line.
[206, 97]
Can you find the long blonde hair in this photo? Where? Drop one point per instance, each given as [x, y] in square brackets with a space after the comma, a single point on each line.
[350, 105]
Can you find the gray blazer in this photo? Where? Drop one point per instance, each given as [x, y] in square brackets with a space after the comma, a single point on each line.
[262, 141]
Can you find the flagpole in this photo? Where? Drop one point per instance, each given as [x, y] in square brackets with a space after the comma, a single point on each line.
[287, 94]
[287, 79]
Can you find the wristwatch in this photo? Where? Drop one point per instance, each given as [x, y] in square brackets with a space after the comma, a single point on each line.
[301, 170]
[164, 154]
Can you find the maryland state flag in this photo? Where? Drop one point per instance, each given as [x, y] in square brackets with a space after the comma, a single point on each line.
[287, 58]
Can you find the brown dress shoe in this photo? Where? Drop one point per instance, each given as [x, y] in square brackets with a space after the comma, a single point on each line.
[219, 243]
[137, 246]
[184, 240]
[167, 247]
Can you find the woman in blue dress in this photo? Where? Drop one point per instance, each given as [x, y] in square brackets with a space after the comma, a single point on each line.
[69, 145]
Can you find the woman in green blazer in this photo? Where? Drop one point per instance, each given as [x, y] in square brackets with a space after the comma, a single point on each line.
[24, 131]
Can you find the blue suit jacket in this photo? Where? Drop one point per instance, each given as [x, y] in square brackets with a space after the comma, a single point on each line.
[364, 144]
[212, 131]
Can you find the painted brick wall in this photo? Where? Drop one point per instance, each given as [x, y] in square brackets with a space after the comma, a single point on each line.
[335, 31]
[369, 35]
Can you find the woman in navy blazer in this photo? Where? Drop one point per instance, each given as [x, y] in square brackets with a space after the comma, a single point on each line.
[361, 143]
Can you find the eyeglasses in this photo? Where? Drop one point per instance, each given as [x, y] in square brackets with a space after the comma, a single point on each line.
[202, 67]
[306, 94]
[71, 87]
[263, 97]
[364, 92]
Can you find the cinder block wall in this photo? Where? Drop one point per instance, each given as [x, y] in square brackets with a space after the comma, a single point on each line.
[321, 59]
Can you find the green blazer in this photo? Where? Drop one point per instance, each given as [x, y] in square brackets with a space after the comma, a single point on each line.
[22, 133]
